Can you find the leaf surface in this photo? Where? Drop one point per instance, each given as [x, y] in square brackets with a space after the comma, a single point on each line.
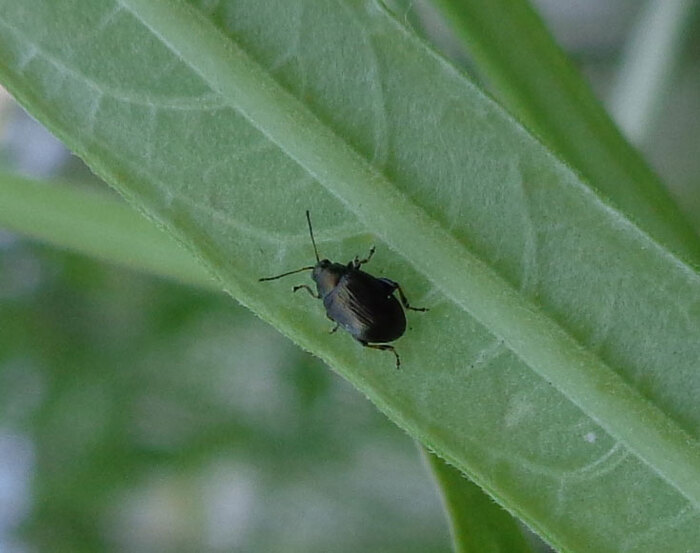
[478, 525]
[558, 366]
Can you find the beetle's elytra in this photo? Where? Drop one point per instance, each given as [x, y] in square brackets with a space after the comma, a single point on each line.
[363, 305]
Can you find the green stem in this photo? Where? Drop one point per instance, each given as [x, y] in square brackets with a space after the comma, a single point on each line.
[95, 224]
[541, 343]
[651, 57]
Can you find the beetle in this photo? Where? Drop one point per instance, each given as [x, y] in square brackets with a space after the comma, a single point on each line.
[360, 303]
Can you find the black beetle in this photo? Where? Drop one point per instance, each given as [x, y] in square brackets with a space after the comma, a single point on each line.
[363, 305]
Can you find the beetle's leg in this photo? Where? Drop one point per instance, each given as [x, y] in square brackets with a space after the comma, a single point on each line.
[404, 300]
[334, 328]
[357, 262]
[383, 347]
[309, 290]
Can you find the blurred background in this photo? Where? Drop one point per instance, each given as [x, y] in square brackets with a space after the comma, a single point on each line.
[141, 415]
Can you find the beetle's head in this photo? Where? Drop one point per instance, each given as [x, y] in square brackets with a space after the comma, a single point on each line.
[326, 275]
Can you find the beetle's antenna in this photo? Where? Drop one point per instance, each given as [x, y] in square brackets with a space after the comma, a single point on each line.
[286, 274]
[311, 232]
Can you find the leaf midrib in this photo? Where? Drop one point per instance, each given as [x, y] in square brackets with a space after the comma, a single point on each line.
[469, 282]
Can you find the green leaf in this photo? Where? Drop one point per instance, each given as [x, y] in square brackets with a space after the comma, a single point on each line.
[94, 224]
[558, 364]
[478, 524]
[536, 81]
